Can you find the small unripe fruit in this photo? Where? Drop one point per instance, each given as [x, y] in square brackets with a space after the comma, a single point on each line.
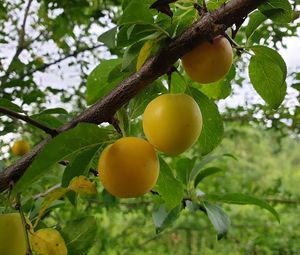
[209, 62]
[12, 235]
[20, 148]
[129, 167]
[48, 241]
[172, 123]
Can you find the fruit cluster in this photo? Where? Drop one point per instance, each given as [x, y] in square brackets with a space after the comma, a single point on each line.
[172, 123]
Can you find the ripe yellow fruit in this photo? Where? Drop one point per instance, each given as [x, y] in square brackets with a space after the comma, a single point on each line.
[12, 235]
[48, 241]
[129, 167]
[209, 62]
[172, 123]
[20, 148]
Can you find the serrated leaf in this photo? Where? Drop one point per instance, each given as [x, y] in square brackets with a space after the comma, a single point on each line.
[79, 165]
[277, 10]
[83, 136]
[218, 218]
[255, 20]
[241, 199]
[206, 172]
[169, 188]
[80, 235]
[9, 105]
[212, 129]
[82, 185]
[144, 54]
[163, 218]
[48, 200]
[267, 71]
[97, 82]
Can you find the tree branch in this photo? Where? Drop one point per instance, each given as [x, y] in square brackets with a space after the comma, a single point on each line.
[29, 120]
[207, 27]
[21, 40]
[74, 54]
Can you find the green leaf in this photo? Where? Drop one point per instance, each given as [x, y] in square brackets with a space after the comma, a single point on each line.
[267, 52]
[204, 161]
[144, 54]
[163, 218]
[48, 120]
[296, 86]
[54, 111]
[97, 82]
[108, 199]
[130, 57]
[136, 12]
[206, 172]
[48, 200]
[80, 235]
[255, 20]
[215, 4]
[109, 38]
[80, 165]
[138, 104]
[267, 71]
[220, 89]
[241, 199]
[9, 105]
[218, 218]
[184, 167]
[277, 10]
[83, 136]
[212, 130]
[170, 189]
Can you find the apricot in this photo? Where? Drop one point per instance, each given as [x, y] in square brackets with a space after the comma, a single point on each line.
[20, 148]
[172, 123]
[129, 167]
[12, 235]
[209, 62]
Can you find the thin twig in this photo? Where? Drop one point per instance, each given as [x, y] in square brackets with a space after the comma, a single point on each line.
[74, 54]
[26, 226]
[20, 46]
[29, 120]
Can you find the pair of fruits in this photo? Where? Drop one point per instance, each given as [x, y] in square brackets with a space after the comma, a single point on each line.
[130, 166]
[13, 238]
[172, 123]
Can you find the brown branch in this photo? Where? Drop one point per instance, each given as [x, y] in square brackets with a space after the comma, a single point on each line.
[207, 27]
[29, 120]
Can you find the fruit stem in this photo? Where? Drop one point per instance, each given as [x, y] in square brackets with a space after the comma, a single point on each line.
[25, 225]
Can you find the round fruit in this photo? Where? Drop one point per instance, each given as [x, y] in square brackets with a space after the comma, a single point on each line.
[12, 235]
[209, 62]
[172, 123]
[129, 167]
[20, 148]
[48, 241]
